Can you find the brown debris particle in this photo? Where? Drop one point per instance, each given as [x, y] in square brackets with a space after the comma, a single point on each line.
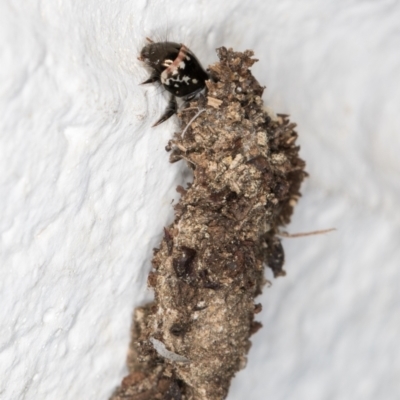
[210, 264]
[213, 102]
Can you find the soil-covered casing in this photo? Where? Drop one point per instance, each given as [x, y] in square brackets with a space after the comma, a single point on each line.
[194, 337]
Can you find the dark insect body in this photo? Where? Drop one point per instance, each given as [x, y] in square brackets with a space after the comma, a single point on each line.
[177, 69]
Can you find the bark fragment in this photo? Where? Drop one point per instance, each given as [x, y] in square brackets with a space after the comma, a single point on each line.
[209, 267]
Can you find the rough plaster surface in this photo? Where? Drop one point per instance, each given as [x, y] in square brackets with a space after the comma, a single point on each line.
[86, 189]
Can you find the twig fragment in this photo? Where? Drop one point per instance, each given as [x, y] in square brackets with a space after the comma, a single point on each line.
[302, 234]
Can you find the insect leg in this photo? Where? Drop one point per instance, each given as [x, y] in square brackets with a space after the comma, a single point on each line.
[171, 109]
[153, 78]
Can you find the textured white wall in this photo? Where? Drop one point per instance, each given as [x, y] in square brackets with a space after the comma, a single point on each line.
[86, 189]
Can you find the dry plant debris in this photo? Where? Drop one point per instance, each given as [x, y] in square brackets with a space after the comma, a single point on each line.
[194, 337]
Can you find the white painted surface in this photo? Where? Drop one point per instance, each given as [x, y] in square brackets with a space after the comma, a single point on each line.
[86, 189]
